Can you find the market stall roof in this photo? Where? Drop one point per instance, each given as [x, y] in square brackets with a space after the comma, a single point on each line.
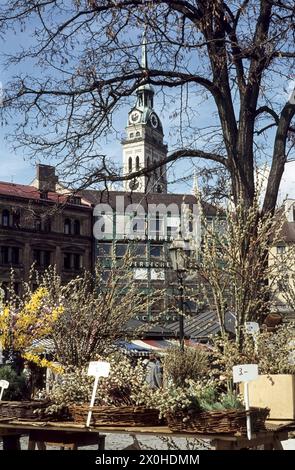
[204, 325]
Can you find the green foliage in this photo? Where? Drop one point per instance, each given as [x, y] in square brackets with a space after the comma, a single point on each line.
[210, 401]
[17, 389]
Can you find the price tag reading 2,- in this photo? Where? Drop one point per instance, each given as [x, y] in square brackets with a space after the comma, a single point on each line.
[245, 373]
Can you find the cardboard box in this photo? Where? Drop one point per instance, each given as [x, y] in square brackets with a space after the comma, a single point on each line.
[276, 392]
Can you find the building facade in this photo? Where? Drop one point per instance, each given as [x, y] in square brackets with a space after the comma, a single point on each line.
[40, 226]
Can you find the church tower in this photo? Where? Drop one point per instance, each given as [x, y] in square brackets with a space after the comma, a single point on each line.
[144, 144]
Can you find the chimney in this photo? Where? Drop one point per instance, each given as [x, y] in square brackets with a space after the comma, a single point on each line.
[46, 179]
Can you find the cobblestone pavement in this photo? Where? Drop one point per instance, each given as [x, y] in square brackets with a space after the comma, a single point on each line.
[121, 441]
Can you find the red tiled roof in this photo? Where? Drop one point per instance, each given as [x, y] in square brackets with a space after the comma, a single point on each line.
[28, 192]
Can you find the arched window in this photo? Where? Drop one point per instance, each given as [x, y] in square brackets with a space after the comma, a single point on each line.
[130, 164]
[131, 135]
[148, 162]
[67, 227]
[5, 218]
[137, 163]
[76, 227]
[137, 134]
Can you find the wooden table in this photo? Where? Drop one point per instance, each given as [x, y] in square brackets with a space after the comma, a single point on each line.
[73, 435]
[63, 435]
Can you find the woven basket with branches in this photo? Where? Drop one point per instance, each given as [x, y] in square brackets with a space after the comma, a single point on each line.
[22, 409]
[217, 422]
[116, 415]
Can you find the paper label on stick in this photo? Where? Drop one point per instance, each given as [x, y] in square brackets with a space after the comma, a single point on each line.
[251, 327]
[99, 369]
[4, 384]
[245, 372]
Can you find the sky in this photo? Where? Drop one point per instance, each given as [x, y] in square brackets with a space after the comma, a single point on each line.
[14, 167]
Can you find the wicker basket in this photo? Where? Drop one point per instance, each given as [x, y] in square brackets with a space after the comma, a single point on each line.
[22, 409]
[116, 415]
[217, 422]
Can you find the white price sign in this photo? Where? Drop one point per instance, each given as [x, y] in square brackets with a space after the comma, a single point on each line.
[245, 372]
[3, 385]
[96, 369]
[99, 369]
[251, 327]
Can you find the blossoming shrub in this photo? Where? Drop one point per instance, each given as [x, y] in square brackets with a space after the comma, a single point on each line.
[272, 351]
[27, 318]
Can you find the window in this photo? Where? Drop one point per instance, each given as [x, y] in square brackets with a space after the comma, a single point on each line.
[37, 257]
[76, 200]
[77, 261]
[67, 260]
[76, 227]
[38, 224]
[137, 163]
[42, 258]
[173, 224]
[16, 219]
[281, 249]
[67, 227]
[105, 275]
[140, 249]
[131, 135]
[46, 258]
[5, 218]
[4, 255]
[121, 249]
[130, 164]
[137, 134]
[156, 226]
[156, 251]
[10, 255]
[104, 249]
[47, 224]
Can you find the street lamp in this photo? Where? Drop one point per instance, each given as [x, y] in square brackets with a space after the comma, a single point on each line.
[180, 253]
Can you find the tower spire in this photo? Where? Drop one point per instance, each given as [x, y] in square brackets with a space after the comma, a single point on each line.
[144, 60]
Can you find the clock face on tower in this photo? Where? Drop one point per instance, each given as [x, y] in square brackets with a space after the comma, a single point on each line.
[133, 185]
[154, 120]
[134, 117]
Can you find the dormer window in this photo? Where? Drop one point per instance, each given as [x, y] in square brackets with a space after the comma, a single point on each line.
[75, 200]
